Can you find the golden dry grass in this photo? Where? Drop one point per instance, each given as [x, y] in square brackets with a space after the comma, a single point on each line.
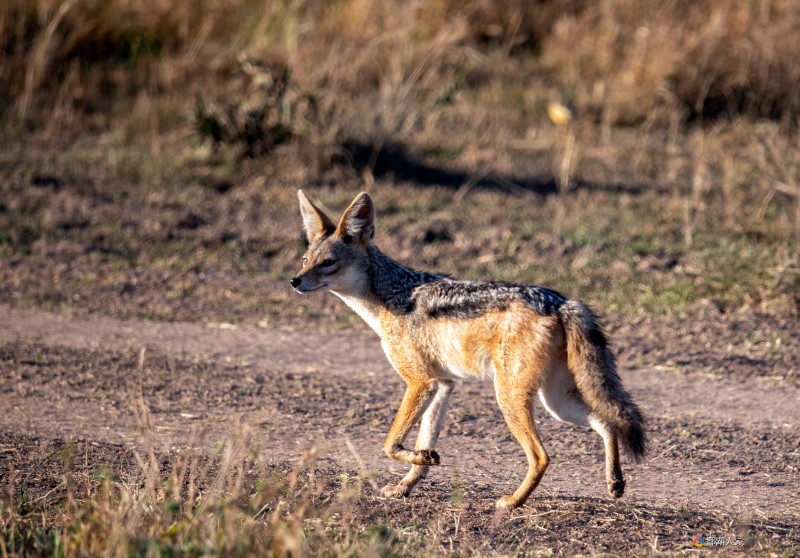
[634, 61]
[624, 62]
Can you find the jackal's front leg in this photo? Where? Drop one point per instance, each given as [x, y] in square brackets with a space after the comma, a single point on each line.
[429, 428]
[415, 401]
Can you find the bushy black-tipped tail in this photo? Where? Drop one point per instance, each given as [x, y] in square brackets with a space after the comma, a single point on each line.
[592, 366]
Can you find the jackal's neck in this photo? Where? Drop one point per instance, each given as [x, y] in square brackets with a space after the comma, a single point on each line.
[392, 284]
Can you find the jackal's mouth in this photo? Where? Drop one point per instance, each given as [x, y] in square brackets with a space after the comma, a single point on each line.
[299, 290]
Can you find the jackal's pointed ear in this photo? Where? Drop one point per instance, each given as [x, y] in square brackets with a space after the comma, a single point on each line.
[315, 222]
[358, 221]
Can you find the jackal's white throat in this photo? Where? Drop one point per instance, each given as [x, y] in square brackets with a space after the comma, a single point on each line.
[369, 312]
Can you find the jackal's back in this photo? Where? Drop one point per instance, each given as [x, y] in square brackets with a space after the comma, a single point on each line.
[469, 299]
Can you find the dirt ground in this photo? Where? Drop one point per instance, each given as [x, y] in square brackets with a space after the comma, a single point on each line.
[724, 420]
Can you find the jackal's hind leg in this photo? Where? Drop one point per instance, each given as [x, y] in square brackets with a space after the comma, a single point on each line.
[614, 479]
[430, 426]
[517, 408]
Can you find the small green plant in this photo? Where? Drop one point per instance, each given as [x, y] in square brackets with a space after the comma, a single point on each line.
[257, 125]
[265, 108]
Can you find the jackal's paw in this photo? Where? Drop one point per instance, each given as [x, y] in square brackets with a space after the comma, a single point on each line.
[616, 488]
[426, 457]
[506, 503]
[399, 490]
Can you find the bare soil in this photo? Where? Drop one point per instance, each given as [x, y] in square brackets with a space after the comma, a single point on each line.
[724, 419]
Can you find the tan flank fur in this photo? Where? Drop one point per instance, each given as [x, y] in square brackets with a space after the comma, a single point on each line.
[434, 329]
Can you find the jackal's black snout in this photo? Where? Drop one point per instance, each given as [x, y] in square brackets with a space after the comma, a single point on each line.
[295, 281]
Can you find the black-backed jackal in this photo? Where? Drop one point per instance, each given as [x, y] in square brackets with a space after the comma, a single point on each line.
[529, 339]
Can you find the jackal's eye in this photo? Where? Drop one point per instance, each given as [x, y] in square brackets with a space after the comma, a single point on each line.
[327, 263]
[305, 262]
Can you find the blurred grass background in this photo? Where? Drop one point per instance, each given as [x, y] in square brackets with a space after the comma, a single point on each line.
[621, 62]
[151, 149]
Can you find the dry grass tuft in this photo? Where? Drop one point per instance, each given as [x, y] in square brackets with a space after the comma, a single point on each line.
[228, 499]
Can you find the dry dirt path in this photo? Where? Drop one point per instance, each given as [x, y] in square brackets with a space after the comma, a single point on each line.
[717, 443]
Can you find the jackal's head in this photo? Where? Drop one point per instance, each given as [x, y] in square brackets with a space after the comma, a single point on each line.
[337, 256]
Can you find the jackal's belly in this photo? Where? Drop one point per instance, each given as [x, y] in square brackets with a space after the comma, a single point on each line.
[459, 365]
[464, 349]
[560, 397]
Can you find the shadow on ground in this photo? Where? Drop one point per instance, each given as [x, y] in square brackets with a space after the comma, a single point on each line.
[396, 162]
[389, 160]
